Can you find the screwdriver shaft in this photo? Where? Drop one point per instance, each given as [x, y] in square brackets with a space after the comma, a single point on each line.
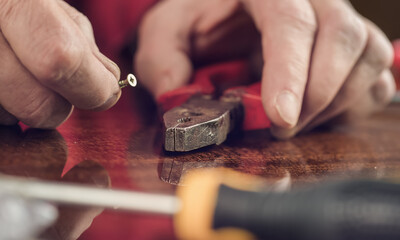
[72, 194]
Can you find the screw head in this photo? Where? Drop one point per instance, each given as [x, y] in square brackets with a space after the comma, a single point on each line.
[131, 80]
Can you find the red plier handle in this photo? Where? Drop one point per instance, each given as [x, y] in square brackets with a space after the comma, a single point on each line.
[218, 80]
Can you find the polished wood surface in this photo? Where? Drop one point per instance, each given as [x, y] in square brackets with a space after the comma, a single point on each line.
[122, 148]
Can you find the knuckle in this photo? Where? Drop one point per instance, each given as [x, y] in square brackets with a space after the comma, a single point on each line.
[380, 60]
[348, 28]
[60, 59]
[83, 20]
[301, 16]
[80, 19]
[380, 53]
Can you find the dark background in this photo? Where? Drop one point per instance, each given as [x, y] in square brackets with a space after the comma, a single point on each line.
[385, 13]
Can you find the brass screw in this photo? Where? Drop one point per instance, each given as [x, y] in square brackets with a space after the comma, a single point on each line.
[129, 81]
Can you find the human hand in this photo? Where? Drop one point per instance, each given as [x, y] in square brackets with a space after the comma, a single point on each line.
[321, 59]
[49, 62]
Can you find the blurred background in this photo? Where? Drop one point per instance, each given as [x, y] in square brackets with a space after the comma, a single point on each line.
[386, 14]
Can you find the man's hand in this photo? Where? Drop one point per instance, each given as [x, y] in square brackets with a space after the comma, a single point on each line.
[321, 58]
[49, 62]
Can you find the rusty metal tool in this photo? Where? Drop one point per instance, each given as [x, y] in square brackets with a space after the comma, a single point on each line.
[200, 122]
[206, 111]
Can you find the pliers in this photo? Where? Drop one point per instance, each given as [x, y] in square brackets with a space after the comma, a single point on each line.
[216, 102]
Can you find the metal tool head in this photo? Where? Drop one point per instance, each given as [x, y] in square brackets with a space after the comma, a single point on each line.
[198, 123]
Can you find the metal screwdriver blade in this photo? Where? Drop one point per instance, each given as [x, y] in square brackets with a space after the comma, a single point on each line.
[73, 194]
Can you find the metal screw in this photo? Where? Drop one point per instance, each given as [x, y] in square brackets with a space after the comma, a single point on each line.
[129, 81]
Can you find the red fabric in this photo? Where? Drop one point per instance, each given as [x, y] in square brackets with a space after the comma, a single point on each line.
[114, 21]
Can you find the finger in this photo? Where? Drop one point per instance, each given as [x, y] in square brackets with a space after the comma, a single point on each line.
[216, 35]
[222, 42]
[370, 84]
[25, 98]
[6, 118]
[162, 60]
[86, 27]
[59, 55]
[340, 41]
[372, 101]
[384, 90]
[375, 61]
[379, 95]
[288, 28]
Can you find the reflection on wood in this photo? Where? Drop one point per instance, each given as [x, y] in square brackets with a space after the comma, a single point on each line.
[127, 142]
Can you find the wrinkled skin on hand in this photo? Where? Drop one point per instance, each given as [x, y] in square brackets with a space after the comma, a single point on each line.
[321, 59]
[49, 62]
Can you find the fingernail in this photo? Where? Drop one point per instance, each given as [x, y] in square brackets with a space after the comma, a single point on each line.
[110, 102]
[114, 99]
[288, 108]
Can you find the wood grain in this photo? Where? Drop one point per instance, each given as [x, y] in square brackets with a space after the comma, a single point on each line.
[122, 148]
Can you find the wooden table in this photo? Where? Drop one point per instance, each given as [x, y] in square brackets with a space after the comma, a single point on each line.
[122, 148]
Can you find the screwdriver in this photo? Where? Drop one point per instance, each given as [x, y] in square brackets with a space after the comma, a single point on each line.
[221, 204]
